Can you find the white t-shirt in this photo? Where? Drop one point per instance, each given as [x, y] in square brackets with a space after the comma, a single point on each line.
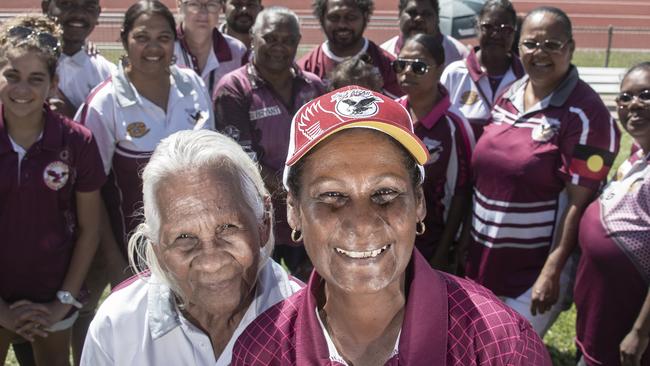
[80, 73]
[140, 324]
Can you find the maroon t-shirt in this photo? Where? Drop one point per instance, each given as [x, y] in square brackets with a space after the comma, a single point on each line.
[319, 63]
[38, 215]
[449, 139]
[447, 321]
[249, 110]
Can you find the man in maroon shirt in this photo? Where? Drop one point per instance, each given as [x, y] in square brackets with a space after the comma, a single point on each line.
[343, 22]
[254, 105]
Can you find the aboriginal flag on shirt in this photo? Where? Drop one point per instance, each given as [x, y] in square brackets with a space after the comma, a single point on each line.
[591, 162]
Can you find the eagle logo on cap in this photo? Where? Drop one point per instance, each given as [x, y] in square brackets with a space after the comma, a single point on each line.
[356, 103]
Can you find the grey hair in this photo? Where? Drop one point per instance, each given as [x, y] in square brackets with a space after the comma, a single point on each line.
[190, 151]
[275, 11]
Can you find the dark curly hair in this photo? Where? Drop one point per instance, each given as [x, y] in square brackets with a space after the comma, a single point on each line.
[320, 7]
[402, 5]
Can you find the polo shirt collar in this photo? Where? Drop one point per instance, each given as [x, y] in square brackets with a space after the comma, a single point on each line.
[556, 99]
[52, 136]
[423, 337]
[164, 315]
[257, 81]
[439, 110]
[80, 57]
[220, 46]
[128, 96]
[476, 71]
[335, 58]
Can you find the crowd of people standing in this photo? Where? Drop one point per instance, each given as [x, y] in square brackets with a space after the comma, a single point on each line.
[415, 202]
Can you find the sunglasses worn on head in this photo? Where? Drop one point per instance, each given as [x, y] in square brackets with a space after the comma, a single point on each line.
[44, 38]
[417, 66]
[625, 99]
[196, 6]
[547, 45]
[505, 29]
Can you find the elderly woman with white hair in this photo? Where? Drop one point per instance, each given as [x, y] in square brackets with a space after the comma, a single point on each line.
[206, 240]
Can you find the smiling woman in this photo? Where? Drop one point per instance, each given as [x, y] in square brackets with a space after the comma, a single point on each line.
[206, 239]
[372, 299]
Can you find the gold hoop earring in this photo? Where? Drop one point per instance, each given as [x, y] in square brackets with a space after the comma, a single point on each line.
[296, 236]
[420, 228]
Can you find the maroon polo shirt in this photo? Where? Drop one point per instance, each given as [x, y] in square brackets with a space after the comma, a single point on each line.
[249, 110]
[447, 321]
[448, 137]
[320, 64]
[38, 216]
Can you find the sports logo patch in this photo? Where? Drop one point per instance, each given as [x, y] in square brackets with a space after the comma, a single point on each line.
[356, 103]
[591, 162]
[56, 175]
[545, 131]
[469, 97]
[137, 129]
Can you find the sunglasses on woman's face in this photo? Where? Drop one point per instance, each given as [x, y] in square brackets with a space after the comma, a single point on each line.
[417, 66]
[44, 39]
[625, 99]
[547, 45]
[504, 29]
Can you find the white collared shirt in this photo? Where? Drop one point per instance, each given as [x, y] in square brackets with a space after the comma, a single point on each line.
[126, 123]
[80, 73]
[140, 324]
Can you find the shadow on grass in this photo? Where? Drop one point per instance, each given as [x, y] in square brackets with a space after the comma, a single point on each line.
[561, 358]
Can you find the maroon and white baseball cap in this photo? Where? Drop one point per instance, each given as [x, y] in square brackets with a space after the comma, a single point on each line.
[351, 107]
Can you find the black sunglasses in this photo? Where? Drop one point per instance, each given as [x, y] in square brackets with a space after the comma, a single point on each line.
[625, 99]
[547, 45]
[505, 29]
[44, 39]
[417, 66]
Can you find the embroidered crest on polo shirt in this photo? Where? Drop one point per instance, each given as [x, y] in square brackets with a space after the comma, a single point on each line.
[137, 129]
[56, 175]
[356, 103]
[469, 97]
[264, 112]
[435, 149]
[545, 131]
[196, 117]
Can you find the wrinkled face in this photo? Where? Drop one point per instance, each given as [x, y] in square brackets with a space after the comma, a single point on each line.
[209, 239]
[200, 15]
[491, 36]
[25, 83]
[419, 16]
[357, 216]
[545, 67]
[276, 44]
[241, 14]
[150, 45]
[78, 18]
[412, 83]
[635, 116]
[343, 23]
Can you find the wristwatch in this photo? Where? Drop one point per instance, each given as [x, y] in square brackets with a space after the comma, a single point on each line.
[66, 298]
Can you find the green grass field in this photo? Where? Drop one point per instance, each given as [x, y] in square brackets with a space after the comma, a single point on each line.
[559, 338]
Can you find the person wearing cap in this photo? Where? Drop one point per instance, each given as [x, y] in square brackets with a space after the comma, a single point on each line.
[422, 16]
[254, 105]
[202, 47]
[343, 22]
[372, 299]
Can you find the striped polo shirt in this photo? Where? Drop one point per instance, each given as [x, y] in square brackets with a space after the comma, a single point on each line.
[521, 166]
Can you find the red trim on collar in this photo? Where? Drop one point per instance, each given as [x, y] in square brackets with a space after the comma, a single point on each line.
[439, 110]
[52, 131]
[423, 340]
[220, 47]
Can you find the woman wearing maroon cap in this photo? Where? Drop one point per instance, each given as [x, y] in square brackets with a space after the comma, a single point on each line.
[449, 139]
[50, 171]
[611, 291]
[372, 299]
